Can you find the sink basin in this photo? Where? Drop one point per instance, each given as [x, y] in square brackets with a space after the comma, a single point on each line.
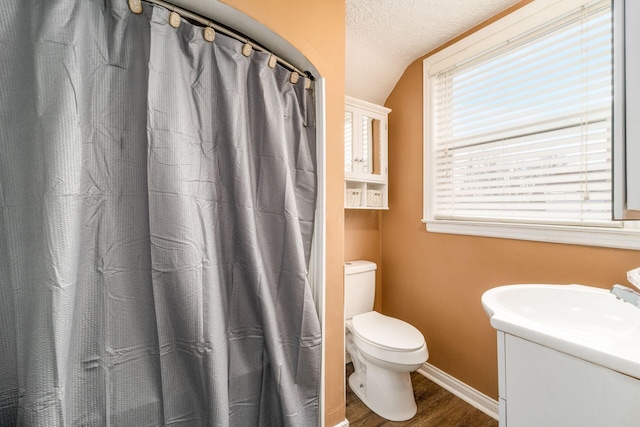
[582, 321]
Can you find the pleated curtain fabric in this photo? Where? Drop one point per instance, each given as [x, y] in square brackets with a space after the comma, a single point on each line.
[157, 204]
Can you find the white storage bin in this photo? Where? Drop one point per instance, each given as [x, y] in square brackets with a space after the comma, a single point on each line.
[354, 197]
[374, 198]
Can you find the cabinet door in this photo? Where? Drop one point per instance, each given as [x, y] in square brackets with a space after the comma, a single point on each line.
[365, 144]
[349, 143]
[545, 387]
[372, 157]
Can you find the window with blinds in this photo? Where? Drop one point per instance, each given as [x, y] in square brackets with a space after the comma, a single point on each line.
[521, 131]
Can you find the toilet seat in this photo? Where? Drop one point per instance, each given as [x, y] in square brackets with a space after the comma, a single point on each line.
[387, 332]
[388, 339]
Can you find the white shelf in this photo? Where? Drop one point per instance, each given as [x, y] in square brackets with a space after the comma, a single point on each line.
[365, 195]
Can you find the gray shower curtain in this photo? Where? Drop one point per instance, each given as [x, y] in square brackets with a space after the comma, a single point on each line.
[157, 199]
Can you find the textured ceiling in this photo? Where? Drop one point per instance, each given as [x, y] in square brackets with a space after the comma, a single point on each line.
[384, 36]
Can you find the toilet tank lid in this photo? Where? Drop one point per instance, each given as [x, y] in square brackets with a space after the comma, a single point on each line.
[359, 266]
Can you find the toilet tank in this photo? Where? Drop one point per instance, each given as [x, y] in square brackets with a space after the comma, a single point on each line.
[359, 287]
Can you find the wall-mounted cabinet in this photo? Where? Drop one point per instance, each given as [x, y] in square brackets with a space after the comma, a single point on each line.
[365, 155]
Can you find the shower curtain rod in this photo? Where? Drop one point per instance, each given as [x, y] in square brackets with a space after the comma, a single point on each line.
[136, 7]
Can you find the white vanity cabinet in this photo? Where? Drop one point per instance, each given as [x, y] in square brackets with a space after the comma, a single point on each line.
[539, 386]
[365, 155]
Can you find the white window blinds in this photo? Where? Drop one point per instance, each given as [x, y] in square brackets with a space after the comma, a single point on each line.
[522, 132]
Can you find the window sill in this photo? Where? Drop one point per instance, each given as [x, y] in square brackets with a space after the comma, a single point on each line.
[621, 238]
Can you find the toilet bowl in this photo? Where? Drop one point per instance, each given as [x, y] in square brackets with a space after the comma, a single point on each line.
[384, 350]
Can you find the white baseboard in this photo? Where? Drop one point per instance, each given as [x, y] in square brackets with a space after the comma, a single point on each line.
[344, 423]
[470, 395]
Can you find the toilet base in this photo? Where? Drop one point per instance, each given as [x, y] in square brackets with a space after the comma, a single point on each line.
[387, 393]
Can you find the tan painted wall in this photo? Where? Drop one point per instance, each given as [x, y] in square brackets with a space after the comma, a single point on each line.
[435, 281]
[318, 31]
[362, 241]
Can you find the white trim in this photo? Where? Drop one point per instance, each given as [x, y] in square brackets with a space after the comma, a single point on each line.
[465, 392]
[318, 261]
[517, 22]
[428, 160]
[620, 238]
[359, 103]
[344, 423]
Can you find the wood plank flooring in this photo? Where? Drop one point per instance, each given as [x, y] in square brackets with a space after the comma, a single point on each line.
[436, 408]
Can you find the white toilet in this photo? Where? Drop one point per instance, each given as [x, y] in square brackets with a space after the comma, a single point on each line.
[384, 350]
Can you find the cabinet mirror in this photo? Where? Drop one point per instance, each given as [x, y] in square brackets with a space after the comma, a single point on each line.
[371, 146]
[348, 141]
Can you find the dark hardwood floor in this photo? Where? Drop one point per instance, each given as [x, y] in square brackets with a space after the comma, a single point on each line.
[436, 408]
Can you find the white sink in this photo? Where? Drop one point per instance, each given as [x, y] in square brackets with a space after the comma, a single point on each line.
[585, 322]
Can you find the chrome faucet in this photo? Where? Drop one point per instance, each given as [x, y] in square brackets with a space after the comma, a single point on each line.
[626, 294]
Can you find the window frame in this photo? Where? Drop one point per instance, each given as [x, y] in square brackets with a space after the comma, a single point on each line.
[626, 236]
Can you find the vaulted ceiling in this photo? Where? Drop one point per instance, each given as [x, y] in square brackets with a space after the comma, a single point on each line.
[384, 36]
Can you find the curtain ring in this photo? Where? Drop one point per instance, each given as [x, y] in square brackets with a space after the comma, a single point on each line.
[209, 34]
[273, 61]
[246, 49]
[174, 19]
[294, 77]
[135, 6]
